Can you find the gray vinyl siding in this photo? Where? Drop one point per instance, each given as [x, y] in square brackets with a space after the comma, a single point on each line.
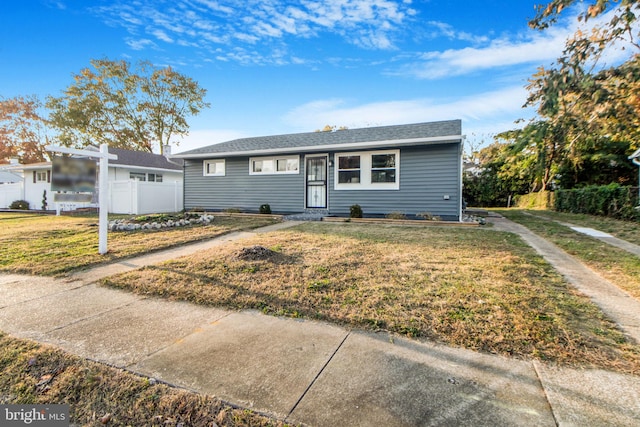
[427, 174]
[237, 189]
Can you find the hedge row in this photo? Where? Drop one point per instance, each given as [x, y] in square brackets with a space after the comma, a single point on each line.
[610, 200]
[539, 200]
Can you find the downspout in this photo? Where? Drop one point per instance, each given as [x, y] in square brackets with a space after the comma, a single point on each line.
[635, 158]
[461, 170]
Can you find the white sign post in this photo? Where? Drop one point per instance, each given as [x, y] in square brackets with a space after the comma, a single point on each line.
[103, 187]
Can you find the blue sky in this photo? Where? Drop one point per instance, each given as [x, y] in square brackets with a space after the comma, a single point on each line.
[273, 66]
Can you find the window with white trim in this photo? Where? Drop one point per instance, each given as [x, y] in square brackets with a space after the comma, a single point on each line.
[369, 170]
[154, 177]
[274, 165]
[138, 176]
[213, 167]
[41, 176]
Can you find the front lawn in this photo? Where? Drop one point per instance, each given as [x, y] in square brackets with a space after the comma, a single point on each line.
[55, 245]
[476, 288]
[616, 265]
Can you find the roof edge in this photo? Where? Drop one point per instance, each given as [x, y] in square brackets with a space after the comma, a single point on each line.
[114, 165]
[310, 148]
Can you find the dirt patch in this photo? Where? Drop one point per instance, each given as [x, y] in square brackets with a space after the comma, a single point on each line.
[257, 253]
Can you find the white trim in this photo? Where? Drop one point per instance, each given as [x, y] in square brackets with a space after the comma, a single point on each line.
[306, 149]
[274, 166]
[38, 173]
[365, 172]
[147, 168]
[33, 167]
[48, 165]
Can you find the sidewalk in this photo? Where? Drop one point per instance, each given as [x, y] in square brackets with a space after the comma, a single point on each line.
[305, 371]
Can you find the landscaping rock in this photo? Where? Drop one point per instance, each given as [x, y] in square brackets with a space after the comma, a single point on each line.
[133, 225]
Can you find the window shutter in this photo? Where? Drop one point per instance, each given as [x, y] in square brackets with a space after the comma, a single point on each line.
[48, 176]
[34, 177]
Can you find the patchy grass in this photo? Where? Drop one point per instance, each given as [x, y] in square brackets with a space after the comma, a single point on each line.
[55, 245]
[31, 373]
[625, 230]
[616, 265]
[480, 289]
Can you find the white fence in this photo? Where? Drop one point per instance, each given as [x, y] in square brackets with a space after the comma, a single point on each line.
[142, 197]
[9, 193]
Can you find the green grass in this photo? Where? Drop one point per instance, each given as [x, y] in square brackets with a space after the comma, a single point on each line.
[56, 245]
[479, 289]
[616, 265]
[31, 373]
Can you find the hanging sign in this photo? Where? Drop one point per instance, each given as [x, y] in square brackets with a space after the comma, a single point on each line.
[73, 174]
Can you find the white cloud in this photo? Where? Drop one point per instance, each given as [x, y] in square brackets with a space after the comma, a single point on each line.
[497, 106]
[371, 24]
[161, 35]
[140, 44]
[531, 47]
[448, 31]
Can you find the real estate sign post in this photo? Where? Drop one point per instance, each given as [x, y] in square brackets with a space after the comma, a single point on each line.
[103, 185]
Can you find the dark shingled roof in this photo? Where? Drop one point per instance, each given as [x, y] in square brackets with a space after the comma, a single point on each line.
[144, 159]
[293, 142]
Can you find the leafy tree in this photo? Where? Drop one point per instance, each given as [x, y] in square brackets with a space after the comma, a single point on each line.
[502, 172]
[583, 47]
[22, 130]
[140, 108]
[588, 115]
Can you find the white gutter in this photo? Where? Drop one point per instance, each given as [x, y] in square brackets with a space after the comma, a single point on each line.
[311, 148]
[146, 168]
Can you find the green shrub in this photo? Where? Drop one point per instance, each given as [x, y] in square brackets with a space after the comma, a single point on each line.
[539, 200]
[428, 216]
[265, 209]
[355, 211]
[611, 200]
[20, 204]
[232, 210]
[396, 215]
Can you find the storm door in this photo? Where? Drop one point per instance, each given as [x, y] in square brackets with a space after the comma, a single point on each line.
[316, 171]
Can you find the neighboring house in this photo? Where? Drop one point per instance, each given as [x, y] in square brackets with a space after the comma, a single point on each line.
[413, 169]
[139, 183]
[10, 184]
[7, 176]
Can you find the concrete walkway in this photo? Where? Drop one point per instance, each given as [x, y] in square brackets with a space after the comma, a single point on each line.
[615, 302]
[305, 371]
[605, 237]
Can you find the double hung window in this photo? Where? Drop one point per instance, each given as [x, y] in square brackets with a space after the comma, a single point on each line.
[369, 170]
